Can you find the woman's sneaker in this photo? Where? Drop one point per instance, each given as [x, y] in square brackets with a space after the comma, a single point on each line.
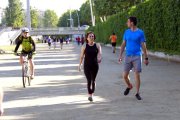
[90, 98]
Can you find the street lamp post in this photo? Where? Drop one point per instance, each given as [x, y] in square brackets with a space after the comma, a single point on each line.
[28, 15]
[78, 18]
[92, 16]
[71, 20]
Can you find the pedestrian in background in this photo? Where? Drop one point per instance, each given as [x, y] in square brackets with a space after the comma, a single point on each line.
[113, 39]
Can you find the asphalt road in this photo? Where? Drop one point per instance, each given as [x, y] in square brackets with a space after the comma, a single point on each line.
[59, 92]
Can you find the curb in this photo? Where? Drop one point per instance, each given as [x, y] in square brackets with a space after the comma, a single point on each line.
[161, 55]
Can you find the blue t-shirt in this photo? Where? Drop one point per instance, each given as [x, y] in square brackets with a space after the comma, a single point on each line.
[133, 42]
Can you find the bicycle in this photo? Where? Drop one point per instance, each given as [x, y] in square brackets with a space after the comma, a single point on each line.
[25, 69]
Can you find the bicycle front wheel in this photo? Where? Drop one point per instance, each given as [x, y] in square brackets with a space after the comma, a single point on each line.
[24, 76]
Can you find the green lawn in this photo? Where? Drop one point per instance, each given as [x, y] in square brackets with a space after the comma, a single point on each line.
[8, 48]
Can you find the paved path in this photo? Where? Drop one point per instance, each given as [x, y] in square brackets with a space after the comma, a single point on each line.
[58, 91]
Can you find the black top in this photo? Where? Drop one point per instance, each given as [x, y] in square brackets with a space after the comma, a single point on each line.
[61, 40]
[91, 53]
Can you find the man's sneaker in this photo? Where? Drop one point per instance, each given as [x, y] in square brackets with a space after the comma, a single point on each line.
[126, 92]
[138, 96]
[90, 99]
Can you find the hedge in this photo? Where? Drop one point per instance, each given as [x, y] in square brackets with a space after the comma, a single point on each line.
[160, 20]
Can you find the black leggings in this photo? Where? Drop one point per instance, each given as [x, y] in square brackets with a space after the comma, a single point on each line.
[91, 73]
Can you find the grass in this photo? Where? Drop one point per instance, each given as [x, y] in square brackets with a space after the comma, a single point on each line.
[9, 48]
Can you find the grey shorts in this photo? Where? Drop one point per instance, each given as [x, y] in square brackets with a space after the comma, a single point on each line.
[132, 62]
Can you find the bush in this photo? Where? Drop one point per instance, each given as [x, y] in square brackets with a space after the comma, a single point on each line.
[158, 18]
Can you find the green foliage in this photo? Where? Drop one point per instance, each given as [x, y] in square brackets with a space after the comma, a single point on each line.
[158, 18]
[85, 14]
[105, 8]
[34, 18]
[14, 14]
[50, 19]
[63, 20]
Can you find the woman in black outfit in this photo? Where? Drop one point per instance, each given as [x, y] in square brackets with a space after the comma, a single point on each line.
[91, 53]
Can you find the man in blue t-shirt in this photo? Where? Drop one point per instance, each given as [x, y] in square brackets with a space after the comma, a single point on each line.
[133, 41]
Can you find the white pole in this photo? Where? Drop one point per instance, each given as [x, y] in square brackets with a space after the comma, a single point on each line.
[28, 15]
[78, 19]
[92, 17]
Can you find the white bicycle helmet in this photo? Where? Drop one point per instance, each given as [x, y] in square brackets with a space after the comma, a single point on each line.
[25, 30]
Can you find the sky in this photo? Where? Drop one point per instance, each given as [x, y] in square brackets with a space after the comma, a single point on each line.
[59, 6]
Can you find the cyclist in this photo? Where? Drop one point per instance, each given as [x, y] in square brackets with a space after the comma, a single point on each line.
[28, 47]
[113, 39]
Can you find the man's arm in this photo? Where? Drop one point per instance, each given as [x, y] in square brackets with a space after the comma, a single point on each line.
[122, 50]
[110, 37]
[143, 45]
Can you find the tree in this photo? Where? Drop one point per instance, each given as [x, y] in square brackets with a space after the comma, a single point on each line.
[104, 8]
[50, 19]
[3, 21]
[34, 18]
[63, 20]
[85, 14]
[14, 14]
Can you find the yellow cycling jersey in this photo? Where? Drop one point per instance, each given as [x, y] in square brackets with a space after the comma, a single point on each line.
[28, 44]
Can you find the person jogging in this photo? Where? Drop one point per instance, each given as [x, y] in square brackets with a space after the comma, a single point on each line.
[113, 39]
[28, 47]
[91, 53]
[133, 41]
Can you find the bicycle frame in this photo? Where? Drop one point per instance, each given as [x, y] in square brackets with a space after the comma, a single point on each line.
[26, 65]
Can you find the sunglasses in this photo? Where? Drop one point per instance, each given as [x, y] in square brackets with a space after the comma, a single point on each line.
[91, 36]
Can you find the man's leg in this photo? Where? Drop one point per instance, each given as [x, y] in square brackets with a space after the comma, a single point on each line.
[127, 79]
[137, 71]
[127, 67]
[138, 81]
